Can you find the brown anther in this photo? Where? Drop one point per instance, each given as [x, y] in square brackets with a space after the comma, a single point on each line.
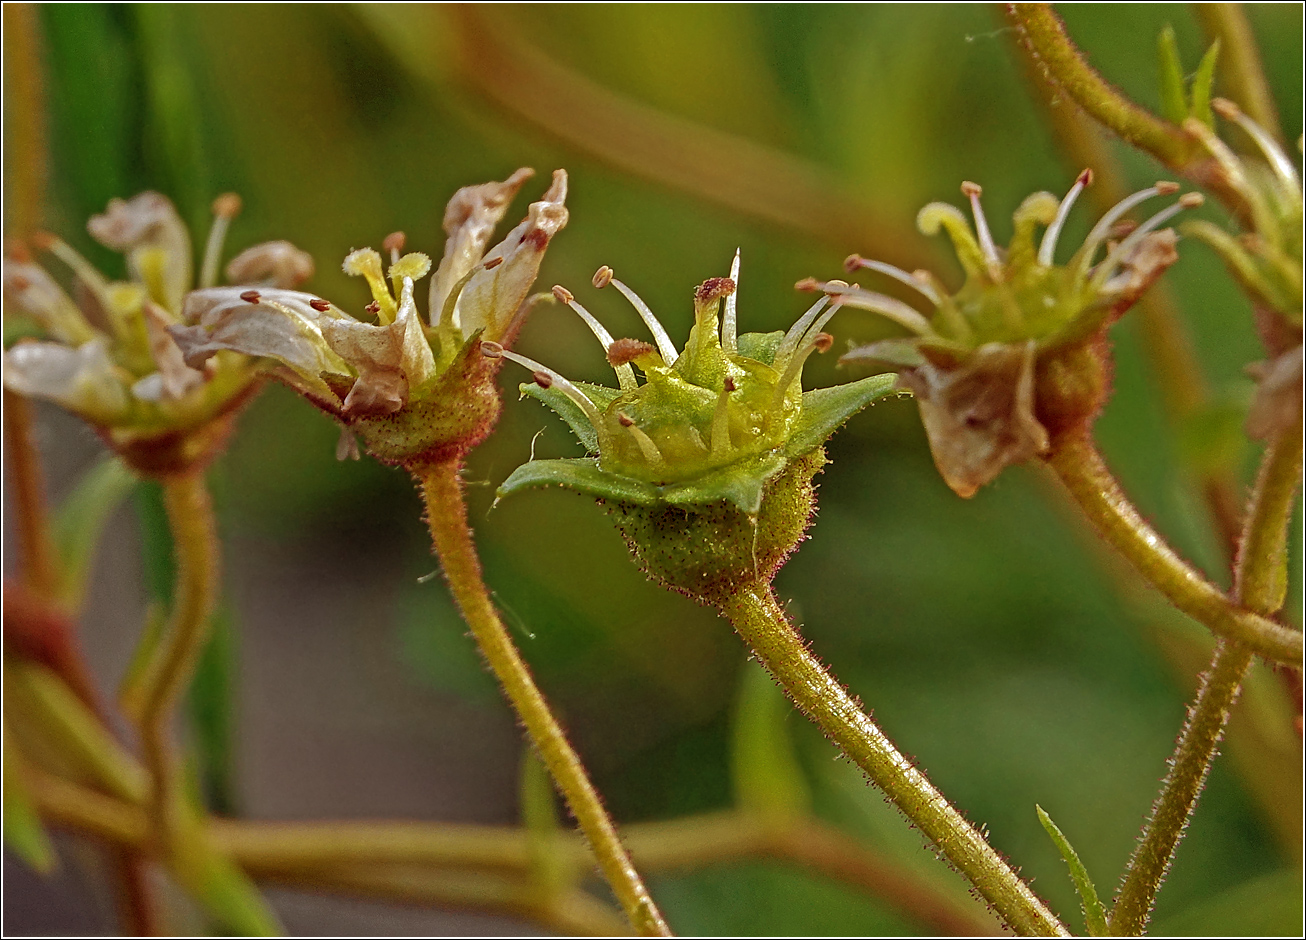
[823, 342]
[394, 241]
[852, 263]
[19, 283]
[1085, 177]
[227, 206]
[602, 277]
[15, 250]
[713, 288]
[562, 295]
[627, 350]
[1166, 187]
[250, 296]
[373, 307]
[625, 420]
[491, 349]
[1251, 241]
[542, 379]
[971, 190]
[729, 384]
[43, 241]
[492, 263]
[1191, 200]
[1225, 108]
[320, 305]
[808, 284]
[1122, 229]
[836, 284]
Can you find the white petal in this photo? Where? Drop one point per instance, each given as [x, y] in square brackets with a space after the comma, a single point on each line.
[148, 229]
[272, 264]
[82, 379]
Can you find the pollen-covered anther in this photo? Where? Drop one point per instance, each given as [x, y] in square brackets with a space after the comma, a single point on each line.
[625, 420]
[373, 307]
[1085, 177]
[562, 295]
[1166, 187]
[1122, 229]
[627, 350]
[602, 277]
[251, 296]
[320, 305]
[542, 379]
[852, 263]
[713, 288]
[227, 206]
[492, 263]
[491, 350]
[1191, 200]
[809, 284]
[822, 342]
[44, 241]
[394, 243]
[1226, 109]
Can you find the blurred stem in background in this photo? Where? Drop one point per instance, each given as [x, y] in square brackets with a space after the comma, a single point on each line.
[1260, 584]
[446, 515]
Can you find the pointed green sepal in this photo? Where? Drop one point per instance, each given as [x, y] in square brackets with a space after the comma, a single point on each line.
[1171, 68]
[826, 409]
[1094, 912]
[569, 411]
[581, 474]
[23, 831]
[1202, 81]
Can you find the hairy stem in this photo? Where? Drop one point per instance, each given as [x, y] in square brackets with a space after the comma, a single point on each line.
[1240, 61]
[1081, 468]
[194, 533]
[1061, 62]
[1260, 583]
[446, 515]
[755, 615]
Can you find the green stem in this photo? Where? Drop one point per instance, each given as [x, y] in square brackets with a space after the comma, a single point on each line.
[195, 540]
[1060, 61]
[446, 515]
[1260, 583]
[1081, 468]
[754, 613]
[1240, 62]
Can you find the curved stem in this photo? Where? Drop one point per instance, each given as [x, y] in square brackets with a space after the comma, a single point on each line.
[1081, 468]
[40, 565]
[195, 540]
[1060, 61]
[1240, 61]
[446, 515]
[754, 613]
[1260, 584]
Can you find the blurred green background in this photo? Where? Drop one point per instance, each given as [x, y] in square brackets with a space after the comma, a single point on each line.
[995, 639]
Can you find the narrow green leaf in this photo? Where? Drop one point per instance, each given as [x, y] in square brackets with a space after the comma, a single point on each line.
[767, 778]
[23, 831]
[1171, 76]
[1094, 913]
[549, 871]
[220, 886]
[581, 474]
[825, 409]
[898, 351]
[569, 411]
[1202, 82]
[81, 520]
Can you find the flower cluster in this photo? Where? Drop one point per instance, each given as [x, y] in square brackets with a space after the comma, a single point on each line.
[1266, 261]
[109, 356]
[1016, 357]
[415, 389]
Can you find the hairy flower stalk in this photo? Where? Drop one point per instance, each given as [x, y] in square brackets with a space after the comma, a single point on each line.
[706, 467]
[1018, 356]
[417, 392]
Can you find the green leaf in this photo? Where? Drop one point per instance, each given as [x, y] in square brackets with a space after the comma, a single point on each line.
[1171, 76]
[219, 885]
[825, 409]
[23, 832]
[81, 520]
[581, 474]
[569, 411]
[760, 346]
[1202, 81]
[766, 775]
[1094, 913]
[741, 483]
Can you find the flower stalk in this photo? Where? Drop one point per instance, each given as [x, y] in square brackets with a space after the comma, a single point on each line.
[446, 516]
[753, 611]
[1260, 584]
[1080, 466]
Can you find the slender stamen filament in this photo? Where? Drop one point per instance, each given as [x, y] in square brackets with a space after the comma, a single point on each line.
[625, 374]
[225, 208]
[1083, 259]
[646, 445]
[1048, 247]
[889, 307]
[721, 420]
[1122, 250]
[86, 272]
[972, 191]
[819, 342]
[495, 351]
[799, 329]
[1274, 154]
[914, 281]
[665, 346]
[729, 318]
